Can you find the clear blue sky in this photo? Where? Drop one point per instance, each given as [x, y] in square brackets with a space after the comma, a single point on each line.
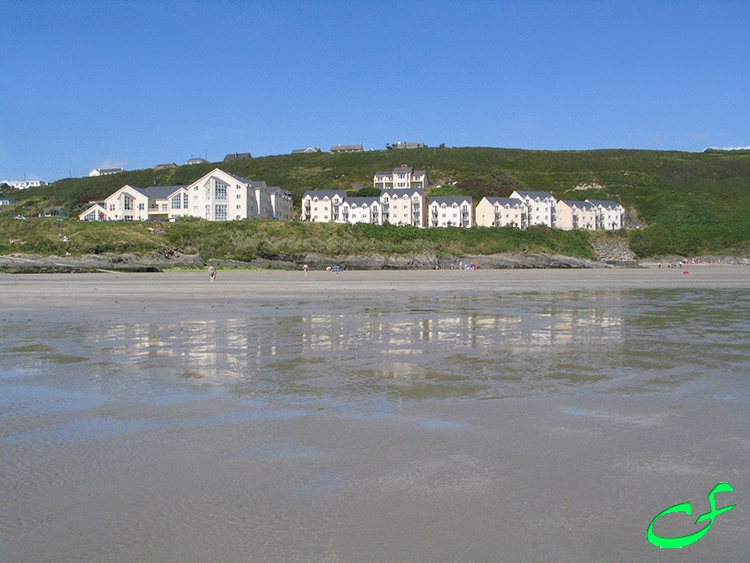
[138, 83]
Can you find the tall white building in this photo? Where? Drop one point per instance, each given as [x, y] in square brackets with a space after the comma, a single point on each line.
[540, 207]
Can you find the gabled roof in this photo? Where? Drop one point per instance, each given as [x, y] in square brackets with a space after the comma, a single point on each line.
[401, 192]
[237, 156]
[403, 168]
[578, 204]
[126, 186]
[604, 203]
[337, 148]
[161, 192]
[278, 190]
[362, 200]
[534, 195]
[323, 193]
[450, 200]
[512, 201]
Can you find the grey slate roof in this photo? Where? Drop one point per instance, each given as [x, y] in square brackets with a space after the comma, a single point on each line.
[360, 201]
[512, 201]
[320, 194]
[450, 200]
[337, 148]
[578, 204]
[534, 195]
[237, 156]
[604, 203]
[401, 191]
[161, 192]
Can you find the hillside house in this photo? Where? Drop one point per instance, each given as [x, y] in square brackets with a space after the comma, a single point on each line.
[97, 212]
[322, 206]
[404, 207]
[346, 148]
[403, 177]
[572, 215]
[540, 207]
[451, 211]
[105, 171]
[361, 210]
[610, 215]
[237, 156]
[501, 212]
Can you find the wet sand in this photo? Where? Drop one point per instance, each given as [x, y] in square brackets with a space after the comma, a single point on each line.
[531, 415]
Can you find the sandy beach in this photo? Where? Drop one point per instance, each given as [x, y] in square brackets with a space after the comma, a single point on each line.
[490, 415]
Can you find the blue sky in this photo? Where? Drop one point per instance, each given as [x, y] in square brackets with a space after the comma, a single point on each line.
[138, 83]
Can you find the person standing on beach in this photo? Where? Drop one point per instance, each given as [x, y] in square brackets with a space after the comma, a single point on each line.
[211, 274]
[304, 269]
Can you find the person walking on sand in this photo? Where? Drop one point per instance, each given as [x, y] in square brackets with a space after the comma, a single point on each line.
[211, 274]
[304, 269]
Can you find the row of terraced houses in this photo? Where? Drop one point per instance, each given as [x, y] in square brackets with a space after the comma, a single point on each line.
[402, 201]
[221, 196]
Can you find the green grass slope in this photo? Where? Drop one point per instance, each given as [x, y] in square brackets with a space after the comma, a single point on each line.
[691, 203]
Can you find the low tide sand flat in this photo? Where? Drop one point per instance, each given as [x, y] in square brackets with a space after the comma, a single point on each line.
[531, 415]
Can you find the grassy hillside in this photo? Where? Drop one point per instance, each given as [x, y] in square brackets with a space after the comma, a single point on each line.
[692, 203]
[245, 240]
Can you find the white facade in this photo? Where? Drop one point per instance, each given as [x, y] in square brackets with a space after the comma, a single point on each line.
[105, 171]
[610, 215]
[404, 207]
[361, 210]
[501, 212]
[96, 212]
[217, 196]
[25, 184]
[322, 206]
[570, 215]
[540, 207]
[127, 204]
[282, 203]
[221, 196]
[454, 211]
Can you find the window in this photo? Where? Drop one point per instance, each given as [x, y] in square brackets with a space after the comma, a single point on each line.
[220, 191]
[220, 212]
[141, 207]
[195, 198]
[185, 200]
[111, 206]
[128, 203]
[208, 213]
[176, 202]
[208, 192]
[239, 196]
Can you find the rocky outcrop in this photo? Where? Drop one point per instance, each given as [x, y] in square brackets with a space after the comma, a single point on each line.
[613, 251]
[419, 261]
[159, 261]
[152, 262]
